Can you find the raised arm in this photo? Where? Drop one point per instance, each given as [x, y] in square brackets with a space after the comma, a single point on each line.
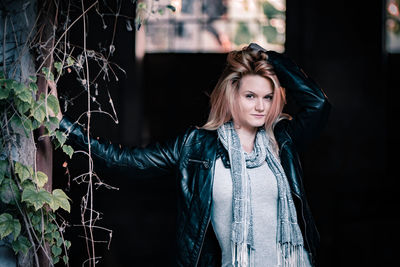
[312, 101]
[155, 159]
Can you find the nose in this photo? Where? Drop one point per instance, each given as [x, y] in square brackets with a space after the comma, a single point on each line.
[260, 105]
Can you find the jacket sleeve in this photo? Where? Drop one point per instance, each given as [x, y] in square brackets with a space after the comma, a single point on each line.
[314, 107]
[153, 160]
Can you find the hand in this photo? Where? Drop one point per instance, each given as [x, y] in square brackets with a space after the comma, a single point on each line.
[53, 91]
[254, 46]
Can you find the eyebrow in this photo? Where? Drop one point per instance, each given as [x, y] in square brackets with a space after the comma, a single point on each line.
[248, 91]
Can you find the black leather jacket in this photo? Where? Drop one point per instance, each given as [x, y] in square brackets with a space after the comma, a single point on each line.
[192, 155]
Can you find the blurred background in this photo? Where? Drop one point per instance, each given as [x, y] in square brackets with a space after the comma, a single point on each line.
[171, 64]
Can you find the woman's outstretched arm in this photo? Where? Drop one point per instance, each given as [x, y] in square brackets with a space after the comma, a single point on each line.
[153, 160]
[156, 159]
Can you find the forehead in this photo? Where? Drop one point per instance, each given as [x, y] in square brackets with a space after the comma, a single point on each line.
[256, 84]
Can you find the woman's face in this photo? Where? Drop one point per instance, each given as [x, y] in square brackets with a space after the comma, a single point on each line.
[253, 101]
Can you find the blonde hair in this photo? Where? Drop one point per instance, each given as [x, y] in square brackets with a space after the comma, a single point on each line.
[222, 99]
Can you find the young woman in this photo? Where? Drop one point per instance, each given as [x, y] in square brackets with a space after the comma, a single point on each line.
[241, 201]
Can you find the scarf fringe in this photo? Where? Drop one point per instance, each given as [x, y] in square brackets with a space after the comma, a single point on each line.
[242, 255]
[290, 255]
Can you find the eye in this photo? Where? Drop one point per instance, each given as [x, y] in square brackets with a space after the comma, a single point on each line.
[249, 96]
[269, 97]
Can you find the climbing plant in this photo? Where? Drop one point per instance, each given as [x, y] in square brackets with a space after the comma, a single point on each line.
[28, 218]
[35, 52]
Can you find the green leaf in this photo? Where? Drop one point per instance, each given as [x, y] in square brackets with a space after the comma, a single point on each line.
[25, 96]
[41, 179]
[33, 87]
[50, 227]
[56, 260]
[65, 259]
[67, 244]
[22, 106]
[9, 192]
[59, 241]
[48, 237]
[39, 111]
[48, 74]
[35, 124]
[56, 235]
[60, 200]
[27, 124]
[42, 96]
[58, 66]
[52, 103]
[51, 124]
[54, 120]
[61, 137]
[4, 92]
[56, 250]
[10, 84]
[19, 87]
[16, 122]
[50, 127]
[70, 61]
[36, 220]
[27, 183]
[68, 150]
[9, 225]
[23, 171]
[33, 79]
[22, 121]
[21, 245]
[36, 198]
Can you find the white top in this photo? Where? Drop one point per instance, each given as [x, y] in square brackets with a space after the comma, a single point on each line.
[264, 193]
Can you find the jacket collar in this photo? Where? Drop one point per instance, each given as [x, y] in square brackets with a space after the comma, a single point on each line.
[223, 153]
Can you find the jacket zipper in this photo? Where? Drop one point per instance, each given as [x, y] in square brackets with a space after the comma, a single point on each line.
[205, 163]
[209, 217]
[202, 241]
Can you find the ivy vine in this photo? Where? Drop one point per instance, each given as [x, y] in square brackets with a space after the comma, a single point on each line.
[29, 218]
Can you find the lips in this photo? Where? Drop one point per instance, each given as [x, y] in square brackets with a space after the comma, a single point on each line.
[258, 115]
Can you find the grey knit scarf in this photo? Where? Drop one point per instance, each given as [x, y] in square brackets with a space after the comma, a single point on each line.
[289, 236]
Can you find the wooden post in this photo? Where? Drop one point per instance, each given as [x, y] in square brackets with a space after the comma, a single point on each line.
[44, 154]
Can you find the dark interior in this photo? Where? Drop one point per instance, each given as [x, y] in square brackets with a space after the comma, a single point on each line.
[349, 173]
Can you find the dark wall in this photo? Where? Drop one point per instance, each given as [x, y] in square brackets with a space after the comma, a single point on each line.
[347, 169]
[349, 185]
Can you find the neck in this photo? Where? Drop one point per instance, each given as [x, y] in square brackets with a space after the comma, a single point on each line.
[247, 137]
